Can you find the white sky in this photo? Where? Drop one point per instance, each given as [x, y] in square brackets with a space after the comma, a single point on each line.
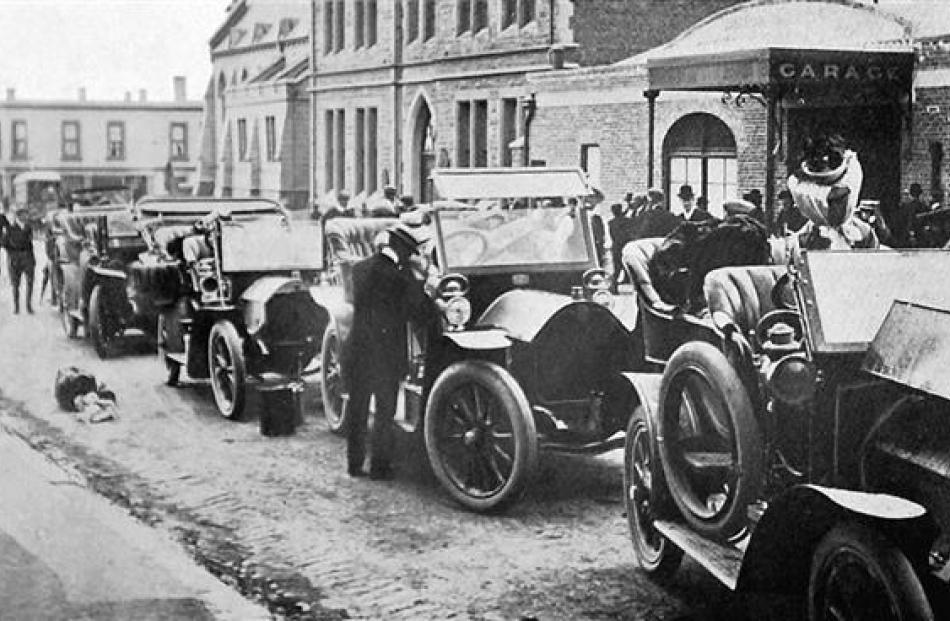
[51, 48]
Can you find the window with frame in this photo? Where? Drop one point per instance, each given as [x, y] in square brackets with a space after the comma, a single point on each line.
[519, 12]
[412, 20]
[270, 131]
[509, 128]
[359, 36]
[178, 141]
[700, 151]
[242, 139]
[471, 15]
[472, 133]
[115, 140]
[371, 18]
[340, 135]
[428, 20]
[18, 143]
[366, 146]
[328, 149]
[591, 163]
[463, 16]
[328, 25]
[339, 41]
[70, 140]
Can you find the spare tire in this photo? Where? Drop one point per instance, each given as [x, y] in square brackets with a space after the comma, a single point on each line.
[711, 449]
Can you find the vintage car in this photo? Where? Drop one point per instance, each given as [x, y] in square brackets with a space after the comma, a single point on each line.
[805, 451]
[233, 293]
[529, 354]
[92, 249]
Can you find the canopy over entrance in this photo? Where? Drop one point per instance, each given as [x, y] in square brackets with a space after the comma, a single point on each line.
[794, 55]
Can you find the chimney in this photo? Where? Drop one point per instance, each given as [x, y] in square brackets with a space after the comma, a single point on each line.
[128, 96]
[82, 93]
[143, 95]
[179, 87]
[11, 94]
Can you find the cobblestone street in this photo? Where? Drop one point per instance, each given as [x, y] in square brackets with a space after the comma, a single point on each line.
[279, 519]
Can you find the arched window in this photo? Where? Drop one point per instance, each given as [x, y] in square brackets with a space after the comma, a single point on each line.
[700, 151]
[222, 85]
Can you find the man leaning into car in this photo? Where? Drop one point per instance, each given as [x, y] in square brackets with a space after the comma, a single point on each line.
[387, 295]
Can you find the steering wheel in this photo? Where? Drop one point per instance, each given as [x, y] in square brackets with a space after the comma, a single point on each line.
[468, 246]
[783, 293]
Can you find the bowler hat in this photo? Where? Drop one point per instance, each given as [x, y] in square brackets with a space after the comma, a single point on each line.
[686, 192]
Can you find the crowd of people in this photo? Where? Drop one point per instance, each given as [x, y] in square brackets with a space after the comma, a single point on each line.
[381, 204]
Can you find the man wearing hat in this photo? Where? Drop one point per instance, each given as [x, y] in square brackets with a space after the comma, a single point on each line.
[18, 240]
[387, 295]
[386, 206]
[686, 200]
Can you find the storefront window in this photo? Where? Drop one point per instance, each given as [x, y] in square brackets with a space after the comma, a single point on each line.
[700, 151]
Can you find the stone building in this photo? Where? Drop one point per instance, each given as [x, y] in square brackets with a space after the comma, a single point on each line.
[751, 80]
[98, 143]
[257, 110]
[400, 86]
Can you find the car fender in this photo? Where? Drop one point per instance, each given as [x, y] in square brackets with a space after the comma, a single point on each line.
[341, 312]
[521, 313]
[646, 386]
[778, 557]
[106, 272]
[480, 340]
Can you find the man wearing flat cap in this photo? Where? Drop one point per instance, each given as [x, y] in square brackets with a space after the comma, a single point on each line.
[387, 295]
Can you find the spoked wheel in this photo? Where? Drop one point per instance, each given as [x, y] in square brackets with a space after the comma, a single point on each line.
[167, 336]
[645, 494]
[858, 575]
[228, 371]
[480, 435]
[331, 381]
[105, 324]
[712, 451]
[70, 324]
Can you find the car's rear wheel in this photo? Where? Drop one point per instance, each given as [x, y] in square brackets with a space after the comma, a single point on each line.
[167, 334]
[228, 370]
[105, 324]
[645, 493]
[711, 451]
[858, 575]
[480, 436]
[331, 381]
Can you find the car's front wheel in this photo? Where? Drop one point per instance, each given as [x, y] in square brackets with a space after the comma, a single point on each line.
[167, 337]
[644, 494]
[228, 371]
[480, 436]
[331, 381]
[858, 575]
[70, 324]
[105, 324]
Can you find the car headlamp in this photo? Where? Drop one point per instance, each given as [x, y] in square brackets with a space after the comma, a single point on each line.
[793, 379]
[458, 310]
[603, 297]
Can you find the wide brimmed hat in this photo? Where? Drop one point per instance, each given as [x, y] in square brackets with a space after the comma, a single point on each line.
[413, 229]
[686, 192]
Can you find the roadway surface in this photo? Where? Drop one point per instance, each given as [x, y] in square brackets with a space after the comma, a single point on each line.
[279, 520]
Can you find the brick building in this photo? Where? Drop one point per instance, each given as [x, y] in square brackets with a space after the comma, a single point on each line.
[257, 110]
[403, 85]
[718, 141]
[88, 143]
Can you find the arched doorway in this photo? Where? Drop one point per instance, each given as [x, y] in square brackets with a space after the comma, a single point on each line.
[423, 152]
[699, 150]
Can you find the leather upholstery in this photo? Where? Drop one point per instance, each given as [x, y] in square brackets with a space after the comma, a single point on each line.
[351, 239]
[741, 295]
[636, 257]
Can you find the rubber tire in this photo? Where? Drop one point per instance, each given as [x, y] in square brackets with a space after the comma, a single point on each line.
[882, 559]
[659, 559]
[333, 409]
[748, 451]
[94, 327]
[225, 331]
[70, 324]
[512, 400]
[165, 330]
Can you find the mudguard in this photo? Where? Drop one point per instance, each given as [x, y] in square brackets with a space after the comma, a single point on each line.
[778, 557]
[341, 311]
[521, 313]
[647, 388]
[106, 272]
[480, 339]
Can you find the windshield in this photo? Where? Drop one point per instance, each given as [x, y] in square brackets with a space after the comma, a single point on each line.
[848, 294]
[513, 237]
[271, 244]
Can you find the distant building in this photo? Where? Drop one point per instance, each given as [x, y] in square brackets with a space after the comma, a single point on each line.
[257, 110]
[89, 143]
[401, 86]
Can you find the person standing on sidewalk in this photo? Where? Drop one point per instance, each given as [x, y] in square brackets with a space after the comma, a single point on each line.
[18, 241]
[387, 295]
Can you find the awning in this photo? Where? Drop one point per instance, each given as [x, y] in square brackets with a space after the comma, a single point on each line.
[485, 183]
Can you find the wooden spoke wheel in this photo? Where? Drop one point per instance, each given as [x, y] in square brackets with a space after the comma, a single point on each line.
[331, 381]
[228, 371]
[105, 322]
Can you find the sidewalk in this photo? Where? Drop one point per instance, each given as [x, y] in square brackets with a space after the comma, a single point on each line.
[66, 553]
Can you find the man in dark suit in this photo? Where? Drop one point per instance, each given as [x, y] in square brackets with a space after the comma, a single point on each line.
[18, 240]
[387, 295]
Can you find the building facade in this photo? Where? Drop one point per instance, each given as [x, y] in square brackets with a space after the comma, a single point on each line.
[101, 142]
[718, 140]
[257, 110]
[405, 85]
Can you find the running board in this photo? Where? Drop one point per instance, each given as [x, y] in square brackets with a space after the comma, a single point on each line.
[723, 561]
